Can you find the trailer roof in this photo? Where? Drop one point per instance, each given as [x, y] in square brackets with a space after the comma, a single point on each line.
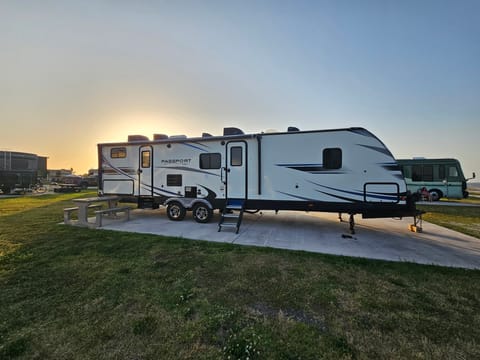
[180, 139]
[427, 160]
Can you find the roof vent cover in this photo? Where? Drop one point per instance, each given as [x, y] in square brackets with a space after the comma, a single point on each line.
[228, 131]
[160, 137]
[137, 138]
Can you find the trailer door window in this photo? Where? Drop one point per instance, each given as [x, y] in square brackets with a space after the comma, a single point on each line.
[236, 156]
[118, 153]
[210, 161]
[332, 158]
[146, 159]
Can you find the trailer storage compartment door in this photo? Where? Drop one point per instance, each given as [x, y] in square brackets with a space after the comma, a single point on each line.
[381, 192]
[118, 186]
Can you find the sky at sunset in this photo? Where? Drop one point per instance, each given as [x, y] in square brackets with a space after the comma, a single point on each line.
[76, 73]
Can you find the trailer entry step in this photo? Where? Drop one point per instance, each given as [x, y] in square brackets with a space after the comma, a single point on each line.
[232, 214]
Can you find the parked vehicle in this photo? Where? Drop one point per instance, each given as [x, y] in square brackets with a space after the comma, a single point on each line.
[342, 170]
[79, 181]
[440, 177]
[71, 183]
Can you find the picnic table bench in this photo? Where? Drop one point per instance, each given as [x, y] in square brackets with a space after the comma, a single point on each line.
[96, 203]
[67, 212]
[111, 211]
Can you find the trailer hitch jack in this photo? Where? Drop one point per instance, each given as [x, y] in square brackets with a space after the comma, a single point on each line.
[352, 224]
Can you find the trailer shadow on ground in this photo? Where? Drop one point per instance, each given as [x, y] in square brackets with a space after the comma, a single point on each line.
[384, 239]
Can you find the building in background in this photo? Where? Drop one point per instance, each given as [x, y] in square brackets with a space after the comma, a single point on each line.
[21, 170]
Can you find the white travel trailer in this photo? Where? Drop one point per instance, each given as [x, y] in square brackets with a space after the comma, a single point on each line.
[341, 170]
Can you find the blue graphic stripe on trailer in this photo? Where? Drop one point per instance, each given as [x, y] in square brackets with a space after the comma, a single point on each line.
[200, 144]
[391, 167]
[297, 197]
[357, 193]
[391, 194]
[211, 195]
[110, 171]
[327, 172]
[147, 187]
[377, 148]
[383, 196]
[159, 191]
[361, 131]
[308, 168]
[184, 168]
[195, 147]
[118, 170]
[156, 190]
[339, 197]
[311, 168]
[369, 194]
[288, 165]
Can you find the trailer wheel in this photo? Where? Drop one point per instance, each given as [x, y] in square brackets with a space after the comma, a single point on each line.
[435, 194]
[176, 211]
[202, 213]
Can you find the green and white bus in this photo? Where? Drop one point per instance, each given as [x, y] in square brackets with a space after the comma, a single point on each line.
[441, 177]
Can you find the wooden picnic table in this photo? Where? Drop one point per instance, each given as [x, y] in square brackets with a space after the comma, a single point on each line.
[84, 203]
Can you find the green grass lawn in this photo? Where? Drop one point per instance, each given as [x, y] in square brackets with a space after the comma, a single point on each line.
[470, 200]
[465, 219]
[78, 293]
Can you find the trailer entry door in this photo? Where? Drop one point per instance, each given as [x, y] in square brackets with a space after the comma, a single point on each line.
[145, 171]
[236, 170]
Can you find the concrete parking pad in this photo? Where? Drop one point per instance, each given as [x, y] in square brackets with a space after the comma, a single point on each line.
[384, 239]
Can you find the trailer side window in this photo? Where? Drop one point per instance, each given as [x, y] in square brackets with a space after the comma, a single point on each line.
[210, 161]
[174, 180]
[236, 156]
[332, 158]
[118, 153]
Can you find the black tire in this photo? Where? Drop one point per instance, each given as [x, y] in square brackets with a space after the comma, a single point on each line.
[202, 213]
[435, 194]
[176, 211]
